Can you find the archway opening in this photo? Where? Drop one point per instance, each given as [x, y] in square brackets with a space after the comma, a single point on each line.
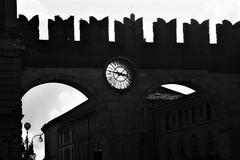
[169, 92]
[45, 102]
[179, 88]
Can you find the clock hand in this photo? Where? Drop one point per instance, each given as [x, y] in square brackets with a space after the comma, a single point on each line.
[113, 72]
[119, 73]
[126, 75]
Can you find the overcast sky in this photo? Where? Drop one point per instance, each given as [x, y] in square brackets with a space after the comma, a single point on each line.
[44, 103]
[150, 10]
[49, 101]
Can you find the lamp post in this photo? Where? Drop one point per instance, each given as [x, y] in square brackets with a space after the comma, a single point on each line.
[28, 153]
[27, 126]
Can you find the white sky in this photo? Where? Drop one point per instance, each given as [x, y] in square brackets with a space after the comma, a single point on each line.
[150, 10]
[54, 97]
[44, 103]
[179, 88]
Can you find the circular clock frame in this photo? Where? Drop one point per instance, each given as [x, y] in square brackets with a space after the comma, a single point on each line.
[120, 74]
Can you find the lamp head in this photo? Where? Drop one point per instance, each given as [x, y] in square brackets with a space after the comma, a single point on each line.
[27, 126]
[40, 139]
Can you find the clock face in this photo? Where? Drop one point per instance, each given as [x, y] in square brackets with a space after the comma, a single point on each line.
[120, 73]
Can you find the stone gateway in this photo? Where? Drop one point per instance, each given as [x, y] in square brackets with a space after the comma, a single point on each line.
[134, 117]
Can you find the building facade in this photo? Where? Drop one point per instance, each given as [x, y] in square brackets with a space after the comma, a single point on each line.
[188, 129]
[71, 135]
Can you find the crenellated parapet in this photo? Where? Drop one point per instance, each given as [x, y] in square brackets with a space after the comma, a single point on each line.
[228, 35]
[28, 29]
[196, 34]
[164, 51]
[61, 30]
[96, 31]
[164, 33]
[130, 31]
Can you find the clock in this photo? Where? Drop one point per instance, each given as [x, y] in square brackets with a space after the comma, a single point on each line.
[120, 73]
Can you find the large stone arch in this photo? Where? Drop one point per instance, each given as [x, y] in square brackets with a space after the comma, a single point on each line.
[70, 80]
[82, 86]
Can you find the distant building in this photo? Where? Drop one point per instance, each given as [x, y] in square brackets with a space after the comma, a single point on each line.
[70, 135]
[183, 129]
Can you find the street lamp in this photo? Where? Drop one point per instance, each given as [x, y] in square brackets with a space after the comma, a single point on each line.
[40, 139]
[27, 126]
[28, 153]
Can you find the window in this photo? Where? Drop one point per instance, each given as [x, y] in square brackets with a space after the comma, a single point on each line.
[193, 115]
[167, 122]
[181, 153]
[141, 113]
[82, 151]
[66, 137]
[200, 111]
[173, 119]
[208, 108]
[210, 145]
[195, 151]
[186, 114]
[179, 118]
[142, 137]
[169, 154]
[67, 154]
[210, 148]
[65, 146]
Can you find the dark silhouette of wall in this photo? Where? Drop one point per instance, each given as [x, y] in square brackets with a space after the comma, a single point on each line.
[61, 30]
[196, 51]
[95, 31]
